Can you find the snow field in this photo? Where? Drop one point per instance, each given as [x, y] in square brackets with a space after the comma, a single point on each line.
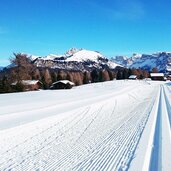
[156, 154]
[93, 127]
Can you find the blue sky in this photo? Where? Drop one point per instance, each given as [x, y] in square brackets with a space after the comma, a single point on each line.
[113, 27]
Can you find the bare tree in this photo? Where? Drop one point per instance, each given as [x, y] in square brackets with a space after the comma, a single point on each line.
[47, 80]
[78, 78]
[70, 76]
[23, 67]
[61, 75]
[86, 78]
[105, 76]
[36, 74]
[155, 70]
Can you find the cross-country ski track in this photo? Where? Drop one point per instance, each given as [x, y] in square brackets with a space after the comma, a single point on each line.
[115, 126]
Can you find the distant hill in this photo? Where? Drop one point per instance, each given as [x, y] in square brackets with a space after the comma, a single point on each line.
[159, 60]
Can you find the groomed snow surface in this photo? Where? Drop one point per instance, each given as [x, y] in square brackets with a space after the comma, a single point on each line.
[115, 126]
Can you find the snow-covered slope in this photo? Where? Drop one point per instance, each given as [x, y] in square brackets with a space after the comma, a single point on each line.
[160, 60]
[122, 60]
[75, 59]
[53, 57]
[85, 55]
[33, 57]
[116, 125]
[125, 60]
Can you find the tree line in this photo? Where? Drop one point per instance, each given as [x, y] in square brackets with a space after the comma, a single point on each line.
[23, 69]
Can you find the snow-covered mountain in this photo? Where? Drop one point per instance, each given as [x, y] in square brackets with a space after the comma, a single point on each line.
[85, 55]
[75, 59]
[122, 60]
[1, 68]
[72, 51]
[159, 60]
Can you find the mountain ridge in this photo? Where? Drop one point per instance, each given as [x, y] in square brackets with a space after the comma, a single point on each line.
[159, 60]
[75, 59]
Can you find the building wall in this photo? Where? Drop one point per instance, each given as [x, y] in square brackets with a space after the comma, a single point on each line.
[158, 78]
[32, 87]
[62, 86]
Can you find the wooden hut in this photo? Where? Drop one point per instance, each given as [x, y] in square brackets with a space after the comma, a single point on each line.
[62, 84]
[157, 76]
[30, 85]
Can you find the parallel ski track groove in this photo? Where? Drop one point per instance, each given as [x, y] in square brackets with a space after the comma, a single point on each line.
[168, 104]
[113, 151]
[109, 160]
[80, 116]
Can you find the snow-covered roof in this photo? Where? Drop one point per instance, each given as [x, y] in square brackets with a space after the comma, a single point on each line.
[64, 82]
[156, 74]
[27, 82]
[132, 76]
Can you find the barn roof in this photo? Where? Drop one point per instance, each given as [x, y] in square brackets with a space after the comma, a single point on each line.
[157, 74]
[132, 76]
[64, 82]
[28, 82]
